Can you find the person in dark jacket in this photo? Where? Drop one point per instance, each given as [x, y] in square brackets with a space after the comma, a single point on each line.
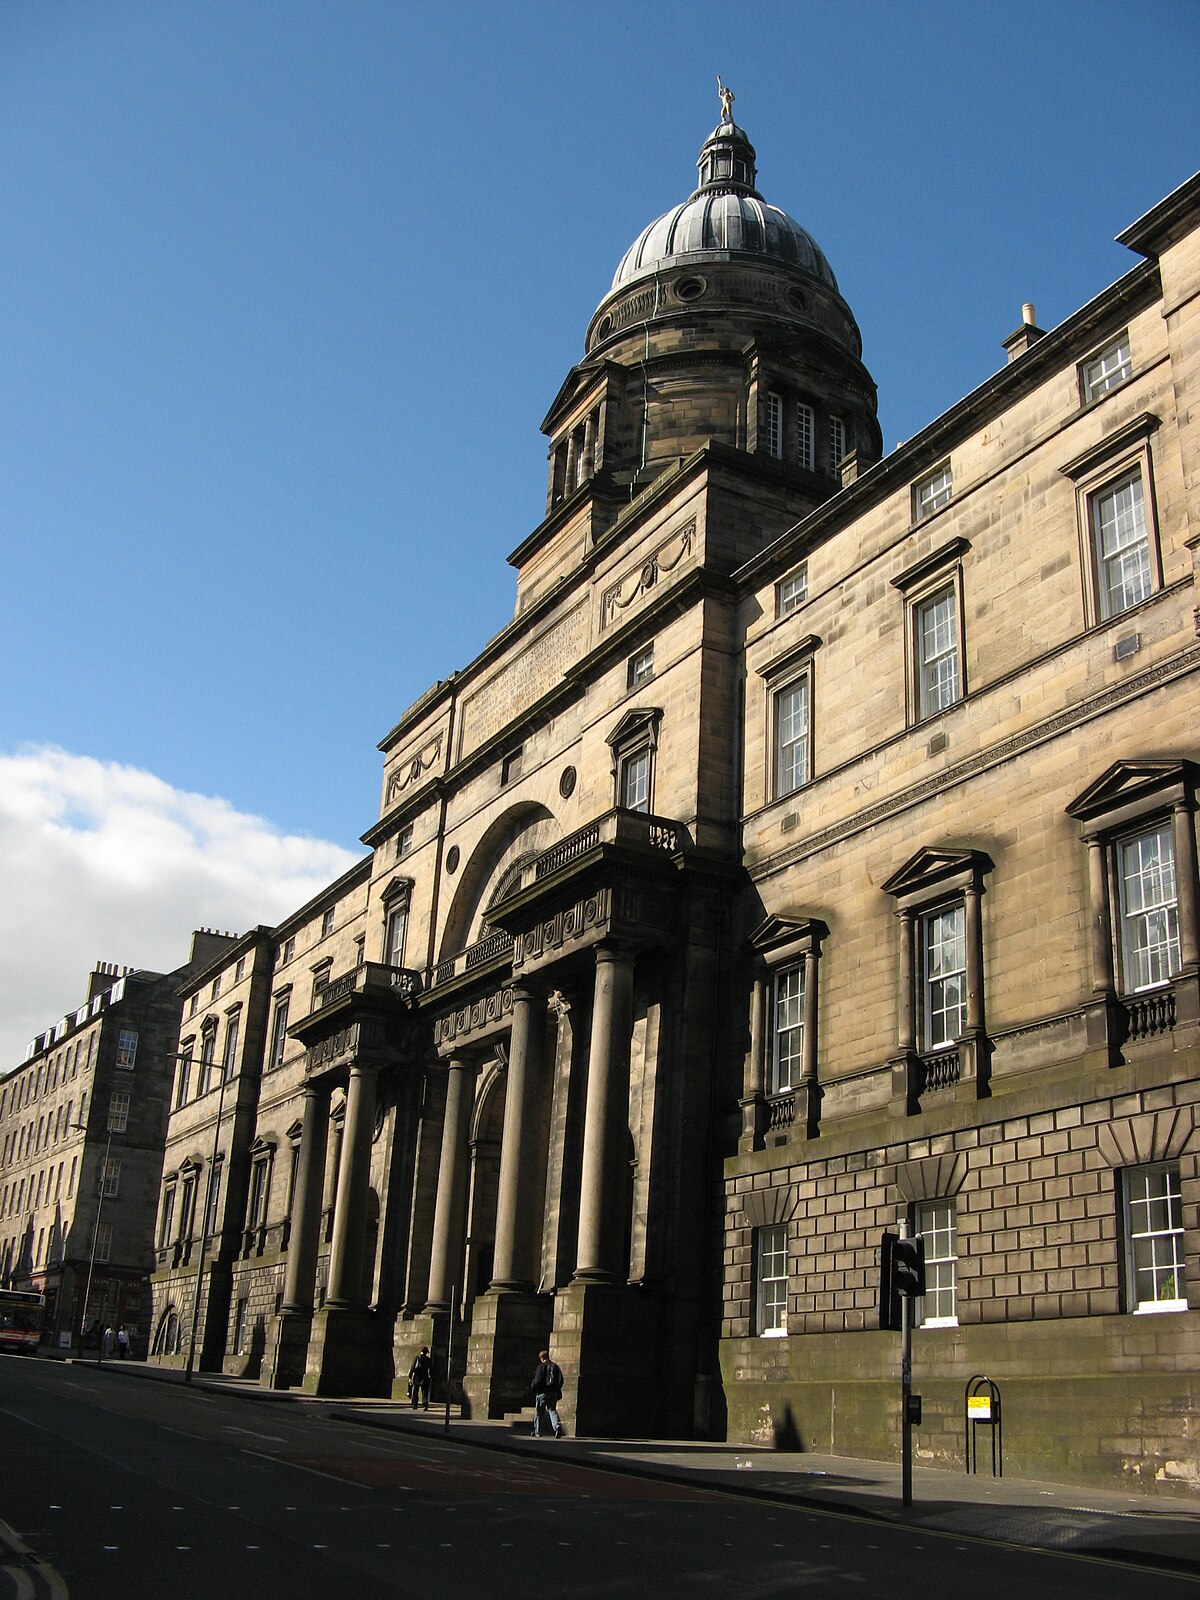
[420, 1377]
[547, 1389]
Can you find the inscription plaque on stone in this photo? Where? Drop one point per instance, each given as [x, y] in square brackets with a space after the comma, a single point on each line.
[523, 681]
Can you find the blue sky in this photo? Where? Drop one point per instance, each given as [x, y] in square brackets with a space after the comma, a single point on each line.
[287, 288]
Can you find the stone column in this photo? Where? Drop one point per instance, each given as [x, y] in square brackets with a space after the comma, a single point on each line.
[1185, 886]
[606, 1112]
[518, 1231]
[755, 1066]
[305, 1236]
[1102, 962]
[808, 1093]
[972, 899]
[449, 1211]
[354, 1174]
[908, 1031]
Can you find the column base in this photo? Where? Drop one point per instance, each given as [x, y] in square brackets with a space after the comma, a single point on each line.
[605, 1337]
[286, 1355]
[508, 1328]
[347, 1354]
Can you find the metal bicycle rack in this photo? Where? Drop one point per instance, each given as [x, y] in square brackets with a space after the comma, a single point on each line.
[981, 1409]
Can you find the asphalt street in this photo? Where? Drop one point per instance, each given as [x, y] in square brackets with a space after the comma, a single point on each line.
[132, 1490]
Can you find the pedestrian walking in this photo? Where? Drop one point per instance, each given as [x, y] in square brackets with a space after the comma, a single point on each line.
[122, 1342]
[547, 1389]
[106, 1344]
[420, 1377]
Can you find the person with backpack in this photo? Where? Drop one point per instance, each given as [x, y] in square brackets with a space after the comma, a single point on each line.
[547, 1389]
[420, 1377]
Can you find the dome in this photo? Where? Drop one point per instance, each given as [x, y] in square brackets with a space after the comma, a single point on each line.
[724, 219]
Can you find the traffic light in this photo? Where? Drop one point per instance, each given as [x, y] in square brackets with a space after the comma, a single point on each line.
[908, 1266]
[901, 1272]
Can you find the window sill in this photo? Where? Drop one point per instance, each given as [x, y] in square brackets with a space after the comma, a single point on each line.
[1153, 1308]
[939, 1322]
[773, 1333]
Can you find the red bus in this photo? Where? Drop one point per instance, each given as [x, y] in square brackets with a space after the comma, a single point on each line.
[21, 1314]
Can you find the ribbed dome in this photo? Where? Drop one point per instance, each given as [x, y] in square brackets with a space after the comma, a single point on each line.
[725, 217]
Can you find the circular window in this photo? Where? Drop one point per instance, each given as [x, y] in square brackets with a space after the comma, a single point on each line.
[797, 299]
[690, 288]
[604, 328]
[566, 784]
[452, 858]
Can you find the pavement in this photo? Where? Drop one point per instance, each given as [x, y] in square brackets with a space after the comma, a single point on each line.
[1147, 1529]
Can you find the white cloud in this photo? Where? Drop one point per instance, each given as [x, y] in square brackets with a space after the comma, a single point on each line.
[100, 862]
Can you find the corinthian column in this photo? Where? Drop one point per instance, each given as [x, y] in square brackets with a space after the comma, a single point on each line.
[606, 1114]
[350, 1212]
[448, 1215]
[518, 1231]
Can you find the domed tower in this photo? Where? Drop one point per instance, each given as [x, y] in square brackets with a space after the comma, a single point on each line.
[723, 325]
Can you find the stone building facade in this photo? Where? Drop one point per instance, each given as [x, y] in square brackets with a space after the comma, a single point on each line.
[82, 1122]
[814, 851]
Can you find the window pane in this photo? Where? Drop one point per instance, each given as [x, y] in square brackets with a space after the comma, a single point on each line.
[935, 1221]
[1149, 914]
[775, 425]
[792, 591]
[791, 738]
[635, 781]
[933, 492]
[279, 1034]
[937, 653]
[772, 1273]
[804, 435]
[1110, 367]
[1122, 549]
[1155, 1222]
[837, 439]
[787, 1065]
[945, 950]
[397, 928]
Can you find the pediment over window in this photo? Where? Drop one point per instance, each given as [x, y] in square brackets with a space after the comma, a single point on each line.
[1133, 786]
[643, 720]
[937, 871]
[778, 938]
[262, 1147]
[295, 1132]
[398, 892]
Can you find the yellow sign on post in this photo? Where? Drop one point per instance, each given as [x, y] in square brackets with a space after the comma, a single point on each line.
[979, 1408]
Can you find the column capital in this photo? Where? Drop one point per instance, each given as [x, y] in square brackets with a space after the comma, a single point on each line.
[614, 951]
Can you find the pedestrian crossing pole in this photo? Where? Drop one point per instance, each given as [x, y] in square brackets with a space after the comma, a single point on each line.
[906, 1310]
[449, 1353]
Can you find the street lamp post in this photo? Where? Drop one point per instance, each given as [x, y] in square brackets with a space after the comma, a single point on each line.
[226, 1073]
[80, 1127]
